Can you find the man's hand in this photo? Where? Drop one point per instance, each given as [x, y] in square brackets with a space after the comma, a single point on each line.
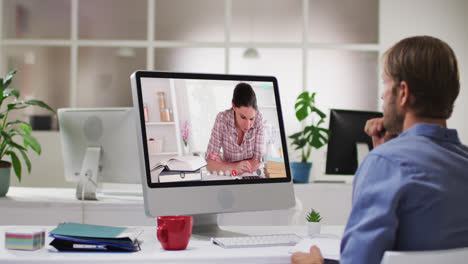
[314, 257]
[374, 128]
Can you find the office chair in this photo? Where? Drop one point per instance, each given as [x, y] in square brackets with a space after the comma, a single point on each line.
[452, 256]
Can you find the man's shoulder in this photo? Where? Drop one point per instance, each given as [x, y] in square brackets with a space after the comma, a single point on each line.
[399, 150]
[400, 145]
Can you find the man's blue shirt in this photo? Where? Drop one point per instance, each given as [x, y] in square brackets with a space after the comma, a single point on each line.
[410, 193]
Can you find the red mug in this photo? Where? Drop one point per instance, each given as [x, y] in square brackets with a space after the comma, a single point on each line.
[174, 231]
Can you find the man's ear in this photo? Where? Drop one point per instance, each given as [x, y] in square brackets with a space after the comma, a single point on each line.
[403, 94]
[233, 106]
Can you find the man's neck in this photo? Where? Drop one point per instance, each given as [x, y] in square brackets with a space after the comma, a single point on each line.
[411, 120]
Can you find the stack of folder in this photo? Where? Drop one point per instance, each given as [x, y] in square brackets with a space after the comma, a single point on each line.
[82, 237]
[275, 168]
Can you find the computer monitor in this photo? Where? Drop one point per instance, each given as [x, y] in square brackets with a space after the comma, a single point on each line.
[348, 143]
[99, 146]
[166, 102]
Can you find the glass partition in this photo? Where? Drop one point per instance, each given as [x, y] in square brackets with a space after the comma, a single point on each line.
[32, 19]
[104, 74]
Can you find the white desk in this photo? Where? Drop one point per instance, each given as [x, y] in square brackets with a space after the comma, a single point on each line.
[151, 251]
[49, 206]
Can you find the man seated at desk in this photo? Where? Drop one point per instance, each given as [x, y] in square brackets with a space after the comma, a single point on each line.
[410, 191]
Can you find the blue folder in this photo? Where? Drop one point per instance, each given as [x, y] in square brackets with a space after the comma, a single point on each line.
[83, 237]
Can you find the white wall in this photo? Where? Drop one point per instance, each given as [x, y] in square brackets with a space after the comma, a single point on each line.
[446, 20]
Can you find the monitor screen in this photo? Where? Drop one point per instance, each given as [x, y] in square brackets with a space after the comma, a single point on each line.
[230, 146]
[347, 136]
[97, 147]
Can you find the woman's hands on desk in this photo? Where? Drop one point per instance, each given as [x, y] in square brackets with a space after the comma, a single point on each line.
[314, 257]
[240, 167]
[243, 166]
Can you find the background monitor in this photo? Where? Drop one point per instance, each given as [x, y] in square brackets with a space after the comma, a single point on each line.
[167, 103]
[346, 134]
[99, 146]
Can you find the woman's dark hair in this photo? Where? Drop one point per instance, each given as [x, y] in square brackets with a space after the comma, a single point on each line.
[244, 95]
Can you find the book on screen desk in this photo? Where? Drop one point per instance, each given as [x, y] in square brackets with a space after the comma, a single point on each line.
[180, 164]
[176, 176]
[82, 237]
[274, 167]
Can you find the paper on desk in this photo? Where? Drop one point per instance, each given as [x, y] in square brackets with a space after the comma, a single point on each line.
[329, 246]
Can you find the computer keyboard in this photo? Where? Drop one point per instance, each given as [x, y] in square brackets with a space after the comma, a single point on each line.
[257, 241]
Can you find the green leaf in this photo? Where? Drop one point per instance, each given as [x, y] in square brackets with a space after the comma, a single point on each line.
[314, 109]
[324, 130]
[16, 122]
[40, 104]
[303, 95]
[296, 135]
[26, 160]
[300, 143]
[313, 216]
[302, 113]
[14, 105]
[9, 92]
[16, 145]
[8, 79]
[25, 127]
[32, 142]
[5, 135]
[16, 164]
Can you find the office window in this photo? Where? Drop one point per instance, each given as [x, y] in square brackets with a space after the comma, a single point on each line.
[32, 19]
[327, 46]
[43, 73]
[104, 75]
[112, 19]
[194, 20]
[344, 21]
[189, 60]
[266, 21]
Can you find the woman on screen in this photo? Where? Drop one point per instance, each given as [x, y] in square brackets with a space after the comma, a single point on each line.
[239, 132]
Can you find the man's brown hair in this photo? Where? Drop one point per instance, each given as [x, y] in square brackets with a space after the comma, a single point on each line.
[429, 67]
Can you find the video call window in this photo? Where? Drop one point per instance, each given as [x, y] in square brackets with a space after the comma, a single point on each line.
[188, 118]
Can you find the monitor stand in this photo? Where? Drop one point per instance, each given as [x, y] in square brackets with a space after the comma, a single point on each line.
[205, 226]
[86, 189]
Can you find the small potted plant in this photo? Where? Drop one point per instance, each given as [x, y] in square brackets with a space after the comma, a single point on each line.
[15, 135]
[313, 222]
[311, 137]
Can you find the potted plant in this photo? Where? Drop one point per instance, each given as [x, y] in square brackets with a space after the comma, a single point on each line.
[312, 135]
[15, 135]
[313, 222]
